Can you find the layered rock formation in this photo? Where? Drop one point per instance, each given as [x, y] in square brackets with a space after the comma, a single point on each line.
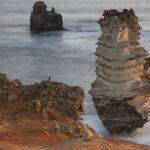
[122, 87]
[42, 20]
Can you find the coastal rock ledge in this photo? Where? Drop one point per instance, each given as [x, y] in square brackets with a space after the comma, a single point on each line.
[122, 87]
[45, 116]
[47, 109]
[43, 20]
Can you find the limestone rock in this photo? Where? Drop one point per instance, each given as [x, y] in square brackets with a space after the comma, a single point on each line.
[43, 109]
[122, 87]
[67, 100]
[42, 20]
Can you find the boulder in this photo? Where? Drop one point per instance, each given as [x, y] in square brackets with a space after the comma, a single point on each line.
[122, 87]
[43, 20]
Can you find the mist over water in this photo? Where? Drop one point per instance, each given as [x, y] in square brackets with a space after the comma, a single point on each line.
[65, 56]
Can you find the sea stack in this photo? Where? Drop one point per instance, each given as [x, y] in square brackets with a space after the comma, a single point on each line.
[43, 20]
[122, 87]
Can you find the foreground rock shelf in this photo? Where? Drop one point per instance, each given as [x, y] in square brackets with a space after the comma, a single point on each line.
[47, 108]
[122, 87]
[45, 116]
[75, 144]
[43, 20]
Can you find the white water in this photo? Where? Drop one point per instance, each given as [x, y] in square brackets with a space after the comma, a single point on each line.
[66, 56]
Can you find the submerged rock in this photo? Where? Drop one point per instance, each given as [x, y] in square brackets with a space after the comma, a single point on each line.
[122, 87]
[42, 20]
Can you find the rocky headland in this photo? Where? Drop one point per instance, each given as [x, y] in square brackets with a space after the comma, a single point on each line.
[43, 20]
[122, 87]
[46, 116]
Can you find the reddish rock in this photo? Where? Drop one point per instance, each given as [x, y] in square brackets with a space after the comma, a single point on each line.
[56, 106]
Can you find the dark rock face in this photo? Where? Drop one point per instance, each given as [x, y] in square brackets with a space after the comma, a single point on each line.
[42, 20]
[122, 87]
[147, 63]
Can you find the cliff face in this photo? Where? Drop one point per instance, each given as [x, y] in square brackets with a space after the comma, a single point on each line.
[122, 87]
[42, 112]
[42, 20]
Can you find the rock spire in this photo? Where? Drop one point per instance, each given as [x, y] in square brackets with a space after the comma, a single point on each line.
[42, 20]
[122, 87]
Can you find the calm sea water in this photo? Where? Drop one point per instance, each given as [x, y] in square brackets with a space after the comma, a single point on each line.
[65, 56]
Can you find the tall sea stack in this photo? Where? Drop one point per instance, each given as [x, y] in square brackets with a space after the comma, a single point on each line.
[122, 87]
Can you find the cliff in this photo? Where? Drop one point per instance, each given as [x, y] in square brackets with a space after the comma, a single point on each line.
[122, 87]
[42, 20]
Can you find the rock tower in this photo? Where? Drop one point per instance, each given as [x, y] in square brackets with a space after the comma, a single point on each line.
[42, 20]
[122, 87]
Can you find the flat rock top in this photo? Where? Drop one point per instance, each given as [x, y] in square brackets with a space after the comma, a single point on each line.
[127, 16]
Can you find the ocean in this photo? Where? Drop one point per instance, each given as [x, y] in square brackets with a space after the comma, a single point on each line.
[65, 56]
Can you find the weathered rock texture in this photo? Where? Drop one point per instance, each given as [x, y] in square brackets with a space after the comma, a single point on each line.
[44, 116]
[122, 87]
[76, 144]
[42, 20]
[43, 110]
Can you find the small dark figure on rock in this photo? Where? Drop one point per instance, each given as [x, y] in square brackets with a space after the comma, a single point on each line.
[53, 10]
